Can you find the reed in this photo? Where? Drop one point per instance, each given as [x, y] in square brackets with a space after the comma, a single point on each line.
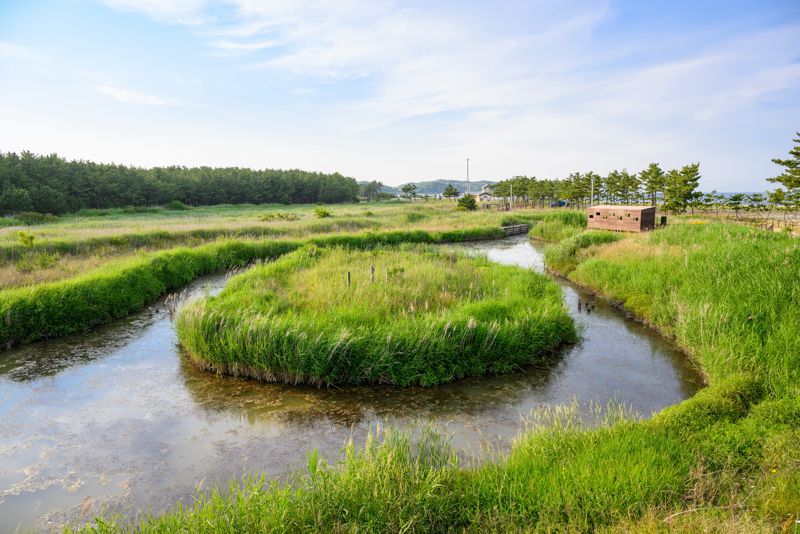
[405, 317]
[55, 309]
[557, 225]
[564, 256]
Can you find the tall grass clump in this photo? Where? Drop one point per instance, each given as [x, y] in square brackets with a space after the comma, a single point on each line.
[564, 256]
[405, 317]
[558, 225]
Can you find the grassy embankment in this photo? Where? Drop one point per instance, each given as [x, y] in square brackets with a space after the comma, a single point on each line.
[726, 460]
[428, 318]
[77, 244]
[76, 304]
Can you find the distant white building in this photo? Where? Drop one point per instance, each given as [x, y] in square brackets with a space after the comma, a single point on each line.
[486, 194]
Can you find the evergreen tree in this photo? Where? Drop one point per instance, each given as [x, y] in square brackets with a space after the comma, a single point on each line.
[680, 189]
[467, 203]
[450, 191]
[653, 182]
[790, 177]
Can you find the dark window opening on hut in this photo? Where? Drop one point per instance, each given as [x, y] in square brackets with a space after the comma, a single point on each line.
[591, 216]
[627, 215]
[636, 218]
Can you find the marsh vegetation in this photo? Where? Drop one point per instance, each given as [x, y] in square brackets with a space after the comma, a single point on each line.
[393, 316]
[725, 293]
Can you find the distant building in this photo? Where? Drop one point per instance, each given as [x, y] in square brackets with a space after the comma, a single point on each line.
[622, 218]
[486, 194]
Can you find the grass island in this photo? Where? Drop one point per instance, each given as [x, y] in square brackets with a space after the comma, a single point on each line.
[406, 316]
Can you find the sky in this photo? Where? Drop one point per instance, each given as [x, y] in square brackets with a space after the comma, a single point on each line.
[401, 91]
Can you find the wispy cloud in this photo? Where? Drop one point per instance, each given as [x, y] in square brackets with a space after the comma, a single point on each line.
[14, 51]
[234, 46]
[170, 11]
[129, 96]
[541, 86]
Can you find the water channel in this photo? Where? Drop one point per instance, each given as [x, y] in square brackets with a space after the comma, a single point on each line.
[116, 420]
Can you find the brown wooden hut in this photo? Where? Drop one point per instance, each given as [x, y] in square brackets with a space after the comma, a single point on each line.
[622, 218]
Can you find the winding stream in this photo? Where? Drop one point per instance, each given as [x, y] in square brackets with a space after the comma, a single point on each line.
[117, 420]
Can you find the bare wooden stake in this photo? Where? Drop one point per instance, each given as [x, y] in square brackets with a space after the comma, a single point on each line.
[348, 278]
[372, 272]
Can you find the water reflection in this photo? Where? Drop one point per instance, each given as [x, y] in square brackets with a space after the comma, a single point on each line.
[118, 418]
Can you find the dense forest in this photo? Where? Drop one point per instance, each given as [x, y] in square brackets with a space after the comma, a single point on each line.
[51, 184]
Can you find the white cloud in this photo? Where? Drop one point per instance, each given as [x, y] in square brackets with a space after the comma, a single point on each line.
[14, 51]
[128, 96]
[170, 11]
[528, 86]
[234, 46]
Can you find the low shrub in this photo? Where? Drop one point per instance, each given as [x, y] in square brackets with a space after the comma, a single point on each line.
[36, 261]
[9, 221]
[278, 216]
[32, 218]
[415, 216]
[467, 203]
[322, 213]
[177, 205]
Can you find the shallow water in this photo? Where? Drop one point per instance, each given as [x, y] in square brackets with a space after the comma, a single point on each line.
[117, 420]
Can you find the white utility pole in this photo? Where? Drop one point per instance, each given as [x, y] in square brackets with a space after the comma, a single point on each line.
[469, 189]
[591, 199]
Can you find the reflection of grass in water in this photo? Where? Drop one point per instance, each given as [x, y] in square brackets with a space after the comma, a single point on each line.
[255, 400]
[428, 318]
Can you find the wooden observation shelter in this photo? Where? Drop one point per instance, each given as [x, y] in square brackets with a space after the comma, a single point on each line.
[622, 218]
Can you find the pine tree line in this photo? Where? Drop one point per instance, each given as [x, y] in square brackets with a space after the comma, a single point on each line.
[51, 184]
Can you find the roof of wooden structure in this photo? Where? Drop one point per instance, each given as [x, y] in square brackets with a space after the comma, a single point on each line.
[620, 207]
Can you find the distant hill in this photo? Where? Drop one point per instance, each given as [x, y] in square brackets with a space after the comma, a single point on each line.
[435, 187]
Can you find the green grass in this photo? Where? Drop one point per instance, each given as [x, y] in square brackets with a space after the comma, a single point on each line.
[725, 460]
[728, 294]
[564, 256]
[132, 241]
[76, 304]
[557, 225]
[428, 318]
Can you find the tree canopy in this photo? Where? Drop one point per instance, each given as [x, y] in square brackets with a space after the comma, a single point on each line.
[51, 184]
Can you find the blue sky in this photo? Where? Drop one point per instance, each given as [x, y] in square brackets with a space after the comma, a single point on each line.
[406, 91]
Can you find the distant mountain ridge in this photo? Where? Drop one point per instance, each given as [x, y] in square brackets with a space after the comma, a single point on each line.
[435, 187]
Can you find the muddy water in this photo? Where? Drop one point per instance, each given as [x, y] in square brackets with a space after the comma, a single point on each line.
[116, 420]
